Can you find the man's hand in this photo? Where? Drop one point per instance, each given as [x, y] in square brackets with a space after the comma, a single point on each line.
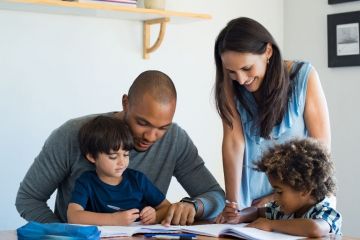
[148, 215]
[125, 218]
[180, 213]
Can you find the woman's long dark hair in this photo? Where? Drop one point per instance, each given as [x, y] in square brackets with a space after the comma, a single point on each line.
[245, 35]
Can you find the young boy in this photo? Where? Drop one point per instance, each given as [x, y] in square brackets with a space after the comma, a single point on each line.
[301, 173]
[113, 195]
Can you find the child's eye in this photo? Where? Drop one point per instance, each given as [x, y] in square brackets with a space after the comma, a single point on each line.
[126, 154]
[112, 157]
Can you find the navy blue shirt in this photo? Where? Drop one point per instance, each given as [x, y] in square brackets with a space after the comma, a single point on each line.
[134, 191]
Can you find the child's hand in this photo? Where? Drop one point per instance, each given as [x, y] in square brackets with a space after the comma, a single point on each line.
[148, 215]
[262, 224]
[125, 218]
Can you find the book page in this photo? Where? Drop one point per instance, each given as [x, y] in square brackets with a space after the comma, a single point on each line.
[135, 228]
[236, 230]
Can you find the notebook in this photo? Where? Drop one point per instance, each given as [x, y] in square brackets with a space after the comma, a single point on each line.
[236, 230]
[135, 228]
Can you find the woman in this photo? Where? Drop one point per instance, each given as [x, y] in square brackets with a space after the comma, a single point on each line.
[262, 100]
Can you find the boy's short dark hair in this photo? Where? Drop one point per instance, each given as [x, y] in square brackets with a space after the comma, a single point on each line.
[104, 134]
[302, 164]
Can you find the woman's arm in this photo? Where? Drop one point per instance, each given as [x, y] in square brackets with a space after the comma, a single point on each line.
[77, 215]
[316, 112]
[233, 147]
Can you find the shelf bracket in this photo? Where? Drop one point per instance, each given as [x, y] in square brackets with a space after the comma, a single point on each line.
[146, 35]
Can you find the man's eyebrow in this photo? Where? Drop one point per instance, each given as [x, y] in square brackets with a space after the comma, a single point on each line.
[149, 123]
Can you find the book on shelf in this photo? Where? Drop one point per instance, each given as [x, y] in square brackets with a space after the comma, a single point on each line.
[136, 228]
[236, 230]
[126, 3]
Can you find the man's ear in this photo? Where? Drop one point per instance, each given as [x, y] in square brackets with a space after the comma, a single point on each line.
[90, 158]
[125, 102]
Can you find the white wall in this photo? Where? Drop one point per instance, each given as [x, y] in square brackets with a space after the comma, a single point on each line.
[56, 67]
[305, 37]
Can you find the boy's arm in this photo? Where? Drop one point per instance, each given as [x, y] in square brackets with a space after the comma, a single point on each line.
[250, 214]
[312, 228]
[161, 210]
[77, 215]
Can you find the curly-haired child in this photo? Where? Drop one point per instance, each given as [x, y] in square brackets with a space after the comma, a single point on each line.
[301, 173]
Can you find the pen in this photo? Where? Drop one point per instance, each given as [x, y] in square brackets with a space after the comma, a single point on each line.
[182, 236]
[228, 202]
[115, 208]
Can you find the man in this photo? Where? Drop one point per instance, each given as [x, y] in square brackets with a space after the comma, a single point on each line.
[162, 150]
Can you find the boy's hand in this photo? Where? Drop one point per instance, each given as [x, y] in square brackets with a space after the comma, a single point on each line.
[148, 215]
[125, 218]
[262, 224]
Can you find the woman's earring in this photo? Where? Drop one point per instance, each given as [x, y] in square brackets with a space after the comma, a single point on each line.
[268, 60]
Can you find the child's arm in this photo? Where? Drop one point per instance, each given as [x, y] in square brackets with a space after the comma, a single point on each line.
[250, 214]
[312, 228]
[76, 214]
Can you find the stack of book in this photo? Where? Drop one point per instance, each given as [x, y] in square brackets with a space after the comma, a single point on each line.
[127, 3]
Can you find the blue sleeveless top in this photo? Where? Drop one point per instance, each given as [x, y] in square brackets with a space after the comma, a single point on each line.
[255, 184]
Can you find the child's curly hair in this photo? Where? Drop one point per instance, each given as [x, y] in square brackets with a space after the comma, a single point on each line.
[302, 164]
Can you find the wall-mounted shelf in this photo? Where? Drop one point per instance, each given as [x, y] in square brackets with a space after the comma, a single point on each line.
[147, 16]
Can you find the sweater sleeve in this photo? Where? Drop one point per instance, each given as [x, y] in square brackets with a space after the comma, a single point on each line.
[48, 170]
[196, 179]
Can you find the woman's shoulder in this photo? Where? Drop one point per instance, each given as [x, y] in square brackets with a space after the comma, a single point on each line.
[292, 65]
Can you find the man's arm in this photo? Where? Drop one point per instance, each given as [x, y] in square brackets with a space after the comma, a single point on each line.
[197, 180]
[41, 180]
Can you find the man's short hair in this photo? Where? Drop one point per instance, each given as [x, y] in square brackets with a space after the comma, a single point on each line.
[153, 82]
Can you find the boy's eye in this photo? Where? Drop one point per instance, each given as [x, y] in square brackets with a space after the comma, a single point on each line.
[126, 154]
[112, 157]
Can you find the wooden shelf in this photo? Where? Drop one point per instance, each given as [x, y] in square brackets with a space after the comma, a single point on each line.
[147, 16]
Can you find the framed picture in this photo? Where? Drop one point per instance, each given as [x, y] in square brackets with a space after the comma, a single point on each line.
[343, 39]
[339, 1]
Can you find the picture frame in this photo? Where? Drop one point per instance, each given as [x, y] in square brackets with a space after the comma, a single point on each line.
[343, 31]
[340, 1]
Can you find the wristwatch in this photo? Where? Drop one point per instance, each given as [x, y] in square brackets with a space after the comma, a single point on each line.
[192, 201]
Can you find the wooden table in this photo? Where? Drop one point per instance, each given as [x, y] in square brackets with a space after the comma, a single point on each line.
[11, 235]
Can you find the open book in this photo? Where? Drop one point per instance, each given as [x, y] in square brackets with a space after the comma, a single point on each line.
[238, 231]
[135, 228]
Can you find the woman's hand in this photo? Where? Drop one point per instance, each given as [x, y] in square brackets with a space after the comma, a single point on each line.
[230, 214]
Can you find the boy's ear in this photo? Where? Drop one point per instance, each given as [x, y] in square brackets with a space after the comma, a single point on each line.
[90, 158]
[306, 193]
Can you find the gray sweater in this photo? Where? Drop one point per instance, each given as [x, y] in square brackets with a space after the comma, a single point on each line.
[60, 163]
